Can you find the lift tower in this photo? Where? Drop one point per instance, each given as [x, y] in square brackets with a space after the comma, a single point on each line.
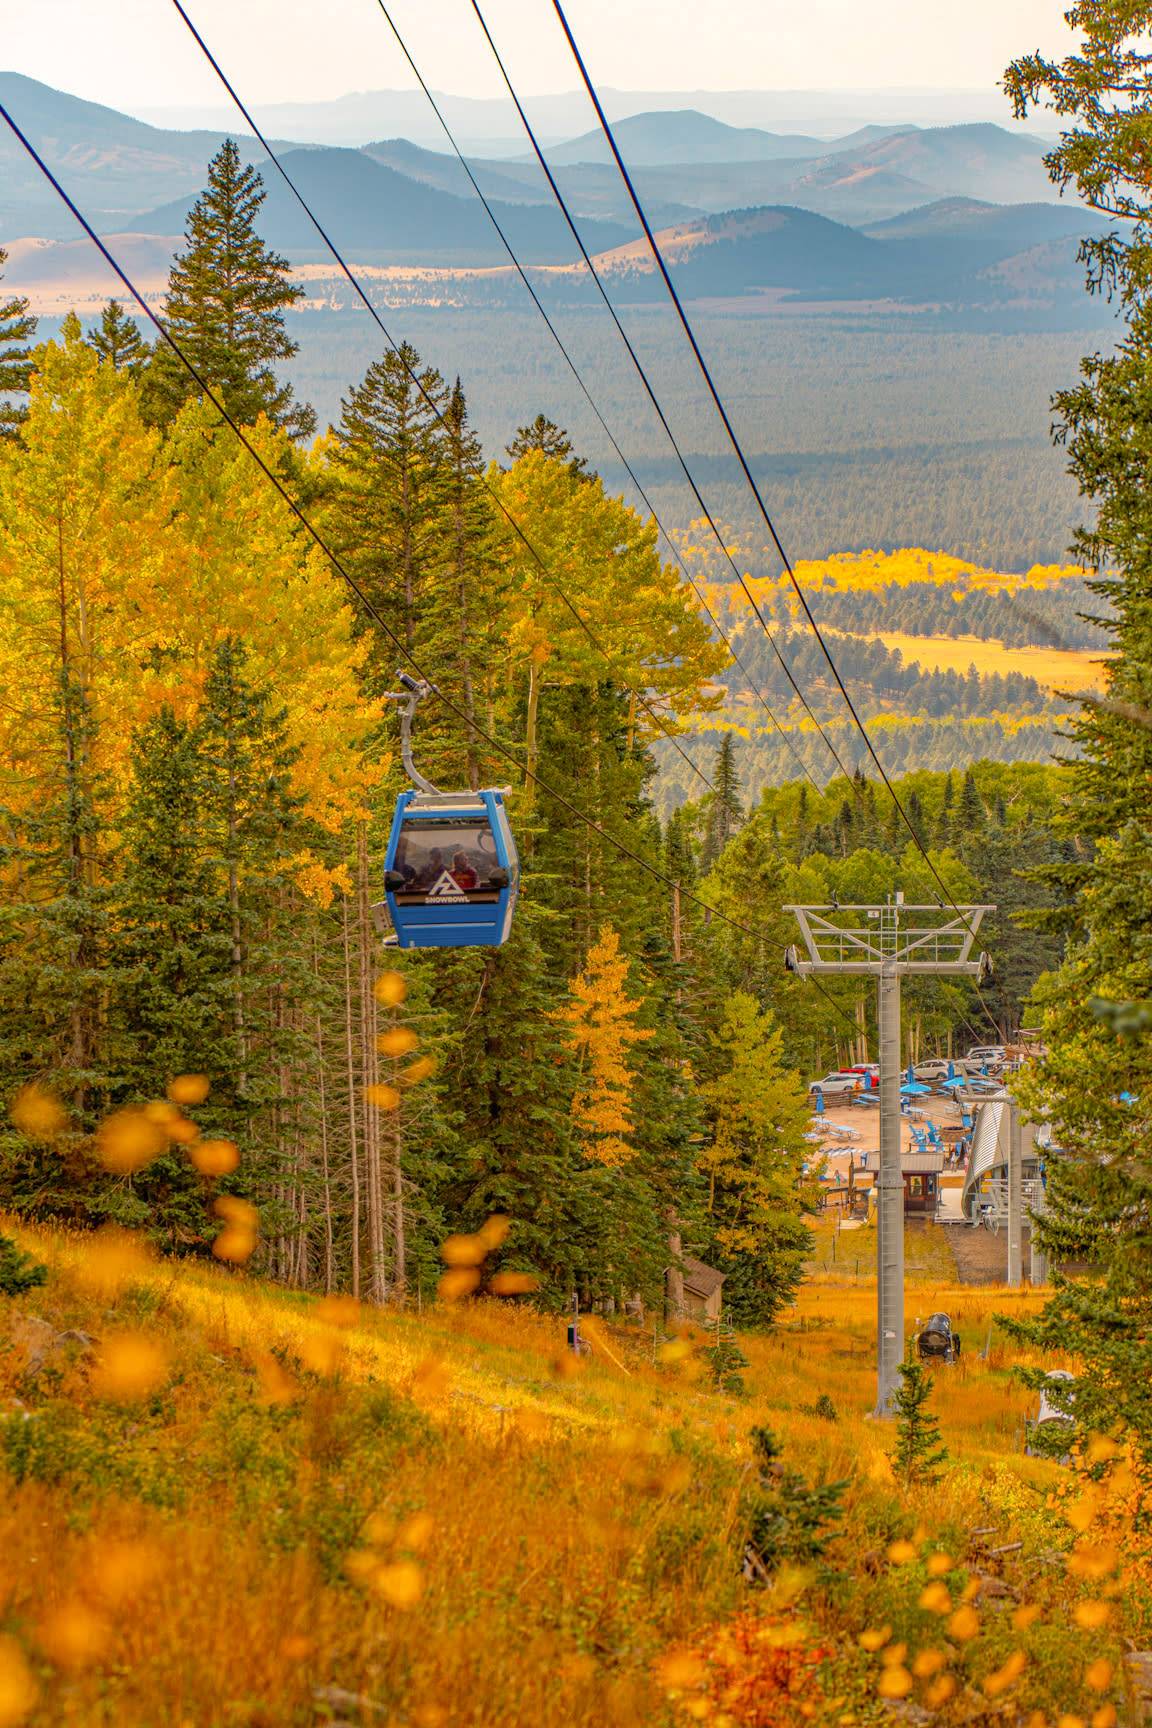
[888, 943]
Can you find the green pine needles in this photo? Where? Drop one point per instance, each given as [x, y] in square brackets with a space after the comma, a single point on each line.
[227, 295]
[918, 1449]
[18, 1271]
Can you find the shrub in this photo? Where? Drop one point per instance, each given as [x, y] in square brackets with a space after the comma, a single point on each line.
[18, 1271]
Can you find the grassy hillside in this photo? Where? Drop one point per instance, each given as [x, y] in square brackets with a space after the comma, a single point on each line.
[231, 1504]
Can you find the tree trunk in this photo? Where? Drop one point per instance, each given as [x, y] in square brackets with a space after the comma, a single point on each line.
[355, 1149]
[673, 1282]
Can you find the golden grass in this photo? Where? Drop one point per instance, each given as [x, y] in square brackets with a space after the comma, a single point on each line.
[1057, 668]
[441, 1514]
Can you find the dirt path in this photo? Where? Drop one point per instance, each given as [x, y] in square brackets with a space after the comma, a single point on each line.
[981, 1257]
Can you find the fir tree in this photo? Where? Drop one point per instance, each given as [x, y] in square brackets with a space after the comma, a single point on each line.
[544, 435]
[117, 340]
[387, 510]
[918, 1450]
[727, 811]
[17, 326]
[227, 295]
[970, 812]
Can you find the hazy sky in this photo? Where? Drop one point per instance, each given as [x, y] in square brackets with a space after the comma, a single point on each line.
[136, 54]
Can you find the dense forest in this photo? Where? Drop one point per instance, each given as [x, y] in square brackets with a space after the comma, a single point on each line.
[200, 622]
[881, 675]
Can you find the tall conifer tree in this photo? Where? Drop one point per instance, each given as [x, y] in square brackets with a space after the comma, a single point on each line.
[227, 295]
[117, 339]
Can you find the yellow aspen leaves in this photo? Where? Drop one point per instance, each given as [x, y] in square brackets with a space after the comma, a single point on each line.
[458, 1281]
[927, 1663]
[127, 1140]
[492, 1233]
[188, 1089]
[237, 1241]
[601, 1017]
[421, 1069]
[383, 1097]
[391, 988]
[215, 1157]
[964, 1624]
[1006, 1675]
[1101, 1449]
[936, 1599]
[894, 1682]
[74, 1635]
[1093, 1561]
[1098, 1674]
[37, 1112]
[1092, 1615]
[939, 1563]
[399, 1583]
[463, 1250]
[513, 1283]
[902, 1552]
[397, 1041]
[131, 1366]
[18, 1690]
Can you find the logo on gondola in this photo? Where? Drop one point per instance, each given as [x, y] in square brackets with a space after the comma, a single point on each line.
[446, 888]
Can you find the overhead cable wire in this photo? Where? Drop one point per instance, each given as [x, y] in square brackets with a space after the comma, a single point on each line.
[428, 398]
[370, 610]
[647, 383]
[577, 375]
[727, 423]
[658, 256]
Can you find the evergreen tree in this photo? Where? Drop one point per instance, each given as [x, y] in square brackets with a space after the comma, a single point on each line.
[918, 1450]
[117, 340]
[1092, 1083]
[387, 508]
[728, 812]
[17, 326]
[970, 813]
[227, 295]
[544, 435]
[756, 1113]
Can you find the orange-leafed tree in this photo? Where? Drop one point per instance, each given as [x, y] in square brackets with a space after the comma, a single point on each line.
[602, 1017]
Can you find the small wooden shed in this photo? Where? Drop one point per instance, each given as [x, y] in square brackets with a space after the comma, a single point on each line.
[702, 1289]
[921, 1173]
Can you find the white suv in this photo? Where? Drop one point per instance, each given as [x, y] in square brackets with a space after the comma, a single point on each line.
[838, 1085]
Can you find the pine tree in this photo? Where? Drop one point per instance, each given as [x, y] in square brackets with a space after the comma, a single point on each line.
[17, 326]
[227, 295]
[117, 340]
[727, 809]
[756, 1114]
[970, 812]
[544, 435]
[387, 507]
[918, 1451]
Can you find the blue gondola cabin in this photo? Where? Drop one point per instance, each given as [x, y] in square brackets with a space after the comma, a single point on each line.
[451, 873]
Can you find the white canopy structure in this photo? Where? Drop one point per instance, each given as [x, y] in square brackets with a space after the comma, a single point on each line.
[984, 1197]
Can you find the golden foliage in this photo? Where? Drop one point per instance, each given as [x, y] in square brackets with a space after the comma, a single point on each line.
[603, 1032]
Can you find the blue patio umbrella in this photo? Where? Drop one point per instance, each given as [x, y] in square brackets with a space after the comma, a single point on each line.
[951, 1070]
[914, 1090]
[819, 1103]
[910, 1076]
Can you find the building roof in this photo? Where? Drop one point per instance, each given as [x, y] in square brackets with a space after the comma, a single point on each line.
[922, 1163]
[700, 1279]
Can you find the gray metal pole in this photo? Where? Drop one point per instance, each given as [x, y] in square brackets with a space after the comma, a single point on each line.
[1038, 1270]
[1015, 1196]
[890, 1197]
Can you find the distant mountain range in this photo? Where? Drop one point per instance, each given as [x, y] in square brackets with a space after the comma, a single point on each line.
[940, 215]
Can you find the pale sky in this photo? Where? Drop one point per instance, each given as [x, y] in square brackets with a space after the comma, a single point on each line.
[136, 54]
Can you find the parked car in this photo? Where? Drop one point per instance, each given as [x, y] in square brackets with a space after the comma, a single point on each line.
[936, 1341]
[993, 1054]
[869, 1072]
[933, 1069]
[837, 1085]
